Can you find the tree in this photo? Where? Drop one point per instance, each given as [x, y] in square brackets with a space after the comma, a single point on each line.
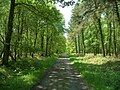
[29, 20]
[100, 30]
[8, 34]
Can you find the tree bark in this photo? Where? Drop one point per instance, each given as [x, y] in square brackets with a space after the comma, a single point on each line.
[27, 41]
[42, 43]
[118, 16]
[18, 26]
[35, 40]
[100, 29]
[78, 43]
[1, 53]
[50, 47]
[114, 38]
[102, 38]
[47, 40]
[76, 48]
[8, 34]
[110, 39]
[82, 31]
[15, 51]
[21, 32]
[117, 12]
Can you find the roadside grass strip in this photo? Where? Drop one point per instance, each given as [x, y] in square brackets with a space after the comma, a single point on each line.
[101, 73]
[23, 74]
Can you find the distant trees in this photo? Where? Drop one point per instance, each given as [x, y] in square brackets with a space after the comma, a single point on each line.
[97, 24]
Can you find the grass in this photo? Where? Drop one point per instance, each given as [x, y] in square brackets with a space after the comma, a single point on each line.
[23, 74]
[101, 73]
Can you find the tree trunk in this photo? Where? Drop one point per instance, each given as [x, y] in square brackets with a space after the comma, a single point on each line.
[110, 39]
[82, 31]
[102, 38]
[50, 47]
[21, 32]
[117, 12]
[118, 16]
[114, 38]
[78, 43]
[1, 53]
[106, 48]
[42, 43]
[18, 26]
[96, 37]
[100, 28]
[47, 40]
[8, 34]
[15, 50]
[36, 34]
[16, 46]
[27, 42]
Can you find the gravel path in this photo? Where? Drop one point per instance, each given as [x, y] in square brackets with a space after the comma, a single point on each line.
[61, 77]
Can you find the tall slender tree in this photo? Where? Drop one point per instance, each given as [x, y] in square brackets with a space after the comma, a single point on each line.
[8, 34]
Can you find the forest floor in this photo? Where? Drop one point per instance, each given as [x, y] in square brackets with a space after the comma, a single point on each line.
[62, 77]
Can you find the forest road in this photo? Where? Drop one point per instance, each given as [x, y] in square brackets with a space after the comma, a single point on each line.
[61, 77]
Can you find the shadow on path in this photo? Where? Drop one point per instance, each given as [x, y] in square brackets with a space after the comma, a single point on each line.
[61, 77]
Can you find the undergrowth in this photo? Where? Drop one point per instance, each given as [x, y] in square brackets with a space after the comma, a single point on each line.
[23, 74]
[101, 73]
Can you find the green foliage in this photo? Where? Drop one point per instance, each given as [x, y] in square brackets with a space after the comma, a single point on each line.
[97, 20]
[24, 73]
[37, 28]
[100, 73]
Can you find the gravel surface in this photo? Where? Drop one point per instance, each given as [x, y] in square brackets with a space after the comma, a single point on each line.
[61, 77]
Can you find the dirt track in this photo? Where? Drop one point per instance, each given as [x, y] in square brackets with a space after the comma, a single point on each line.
[61, 77]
